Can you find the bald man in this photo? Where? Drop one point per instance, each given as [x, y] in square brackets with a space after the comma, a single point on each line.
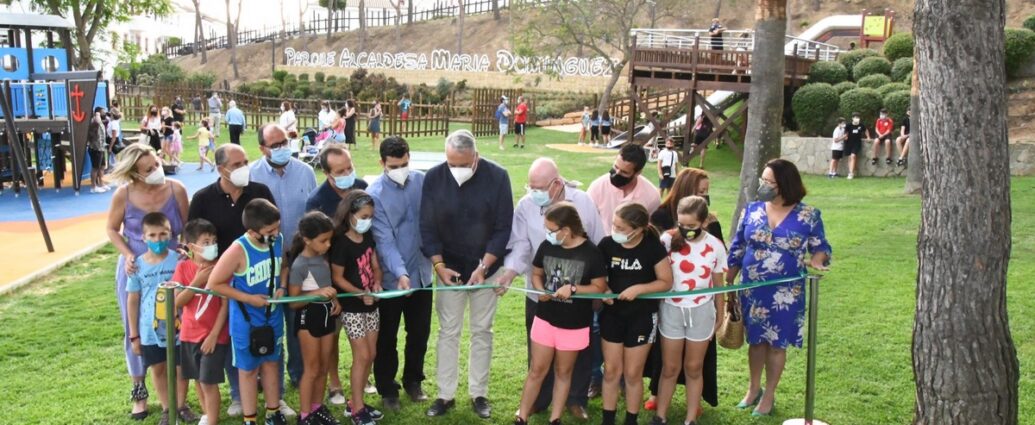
[546, 187]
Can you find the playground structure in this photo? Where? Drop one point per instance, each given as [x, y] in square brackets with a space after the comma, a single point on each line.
[714, 74]
[46, 107]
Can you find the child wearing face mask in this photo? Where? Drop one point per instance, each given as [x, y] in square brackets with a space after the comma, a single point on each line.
[204, 138]
[355, 270]
[837, 147]
[146, 304]
[204, 336]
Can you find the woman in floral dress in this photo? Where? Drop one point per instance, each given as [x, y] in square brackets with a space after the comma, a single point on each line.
[778, 237]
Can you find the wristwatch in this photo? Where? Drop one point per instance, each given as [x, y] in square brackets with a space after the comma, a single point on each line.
[574, 288]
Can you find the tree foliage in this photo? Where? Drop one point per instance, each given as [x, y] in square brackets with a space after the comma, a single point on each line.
[899, 46]
[814, 105]
[92, 17]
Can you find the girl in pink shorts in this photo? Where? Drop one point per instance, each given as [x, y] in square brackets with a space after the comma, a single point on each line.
[566, 264]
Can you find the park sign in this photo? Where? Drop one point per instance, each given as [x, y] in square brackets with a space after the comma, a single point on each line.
[443, 60]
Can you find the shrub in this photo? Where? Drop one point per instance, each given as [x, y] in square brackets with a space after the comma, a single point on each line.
[1030, 23]
[893, 87]
[203, 79]
[897, 103]
[1020, 44]
[849, 59]
[271, 91]
[828, 72]
[319, 77]
[867, 102]
[899, 46]
[303, 77]
[871, 66]
[902, 69]
[874, 81]
[844, 86]
[280, 75]
[173, 41]
[813, 106]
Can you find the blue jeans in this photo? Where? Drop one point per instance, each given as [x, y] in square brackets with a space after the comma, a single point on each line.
[294, 352]
[232, 378]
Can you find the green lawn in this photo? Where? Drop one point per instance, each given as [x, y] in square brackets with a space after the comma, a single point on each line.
[61, 352]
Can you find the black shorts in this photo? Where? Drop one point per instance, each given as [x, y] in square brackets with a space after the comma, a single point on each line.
[666, 182]
[837, 154]
[96, 159]
[631, 331]
[316, 319]
[701, 137]
[204, 368]
[519, 128]
[852, 147]
[605, 130]
[594, 132]
[153, 354]
[884, 138]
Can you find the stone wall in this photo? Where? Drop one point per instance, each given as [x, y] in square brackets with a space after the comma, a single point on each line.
[491, 79]
[812, 156]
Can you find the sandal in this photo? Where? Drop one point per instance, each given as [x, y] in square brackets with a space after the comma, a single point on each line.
[139, 392]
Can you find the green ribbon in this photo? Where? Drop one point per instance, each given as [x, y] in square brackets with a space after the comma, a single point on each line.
[396, 293]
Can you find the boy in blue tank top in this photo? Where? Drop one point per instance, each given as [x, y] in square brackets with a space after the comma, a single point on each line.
[247, 273]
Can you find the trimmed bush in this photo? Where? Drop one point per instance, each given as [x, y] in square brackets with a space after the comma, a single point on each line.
[849, 59]
[813, 105]
[871, 66]
[867, 102]
[1020, 44]
[1030, 23]
[844, 86]
[828, 72]
[279, 75]
[303, 77]
[899, 46]
[874, 81]
[897, 103]
[271, 91]
[902, 69]
[893, 87]
[319, 77]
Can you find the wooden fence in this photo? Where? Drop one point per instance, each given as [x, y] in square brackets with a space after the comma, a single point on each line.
[424, 119]
[483, 110]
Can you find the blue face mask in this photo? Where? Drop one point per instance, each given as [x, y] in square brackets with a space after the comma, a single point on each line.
[280, 156]
[345, 182]
[540, 197]
[363, 225]
[158, 247]
[552, 238]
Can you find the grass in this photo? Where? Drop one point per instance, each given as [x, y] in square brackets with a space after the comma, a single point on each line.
[61, 353]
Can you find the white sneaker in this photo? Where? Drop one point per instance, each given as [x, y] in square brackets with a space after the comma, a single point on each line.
[336, 398]
[370, 388]
[851, 176]
[96, 189]
[234, 411]
[203, 420]
[501, 147]
[286, 410]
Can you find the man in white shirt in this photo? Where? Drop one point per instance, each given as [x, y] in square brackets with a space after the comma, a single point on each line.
[668, 167]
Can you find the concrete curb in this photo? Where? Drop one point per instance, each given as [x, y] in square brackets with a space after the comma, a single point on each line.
[17, 284]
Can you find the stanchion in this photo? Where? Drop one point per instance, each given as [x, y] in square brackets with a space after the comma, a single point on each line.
[810, 366]
[170, 347]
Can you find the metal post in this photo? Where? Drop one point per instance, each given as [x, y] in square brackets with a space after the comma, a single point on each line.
[170, 347]
[810, 366]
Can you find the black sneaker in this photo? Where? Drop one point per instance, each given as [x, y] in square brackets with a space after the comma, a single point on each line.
[901, 162]
[276, 418]
[363, 418]
[187, 415]
[515, 145]
[439, 407]
[873, 161]
[391, 403]
[164, 420]
[887, 161]
[657, 421]
[372, 412]
[323, 416]
[308, 420]
[415, 392]
[482, 407]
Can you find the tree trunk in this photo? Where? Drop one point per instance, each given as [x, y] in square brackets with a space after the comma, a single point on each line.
[283, 21]
[460, 27]
[914, 170]
[231, 38]
[199, 35]
[330, 17]
[964, 360]
[409, 12]
[362, 25]
[718, 8]
[85, 53]
[398, 27]
[765, 103]
[496, 9]
[616, 74]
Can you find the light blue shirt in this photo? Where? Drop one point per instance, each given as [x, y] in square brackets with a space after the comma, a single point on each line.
[146, 281]
[234, 116]
[290, 190]
[397, 230]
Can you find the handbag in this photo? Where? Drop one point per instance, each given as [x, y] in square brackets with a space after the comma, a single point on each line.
[261, 339]
[731, 333]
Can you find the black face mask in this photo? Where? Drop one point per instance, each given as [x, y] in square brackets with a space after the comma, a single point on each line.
[618, 180]
[691, 234]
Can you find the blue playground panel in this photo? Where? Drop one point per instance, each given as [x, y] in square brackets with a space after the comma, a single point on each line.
[42, 100]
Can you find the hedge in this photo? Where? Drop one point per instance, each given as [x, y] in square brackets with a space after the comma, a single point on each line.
[899, 46]
[1030, 23]
[845, 86]
[897, 103]
[828, 72]
[866, 102]
[874, 81]
[849, 59]
[813, 106]
[902, 69]
[1020, 44]
[870, 66]
[893, 87]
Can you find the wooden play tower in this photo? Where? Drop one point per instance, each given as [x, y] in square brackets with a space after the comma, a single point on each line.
[696, 63]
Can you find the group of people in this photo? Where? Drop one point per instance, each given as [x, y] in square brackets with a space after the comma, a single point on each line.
[848, 139]
[595, 125]
[265, 229]
[520, 114]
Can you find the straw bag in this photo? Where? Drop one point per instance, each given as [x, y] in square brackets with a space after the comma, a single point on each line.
[731, 332]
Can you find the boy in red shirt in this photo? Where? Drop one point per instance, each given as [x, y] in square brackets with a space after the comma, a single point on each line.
[204, 336]
[884, 128]
[520, 118]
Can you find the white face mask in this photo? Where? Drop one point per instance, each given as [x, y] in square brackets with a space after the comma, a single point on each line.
[619, 237]
[209, 252]
[157, 177]
[363, 225]
[462, 174]
[240, 176]
[399, 175]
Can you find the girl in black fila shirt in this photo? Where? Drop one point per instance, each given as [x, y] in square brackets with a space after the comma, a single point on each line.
[637, 264]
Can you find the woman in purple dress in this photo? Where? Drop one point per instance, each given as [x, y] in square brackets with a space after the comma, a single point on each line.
[145, 190]
[778, 237]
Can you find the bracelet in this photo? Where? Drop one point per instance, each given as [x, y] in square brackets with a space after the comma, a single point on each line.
[435, 266]
[133, 338]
